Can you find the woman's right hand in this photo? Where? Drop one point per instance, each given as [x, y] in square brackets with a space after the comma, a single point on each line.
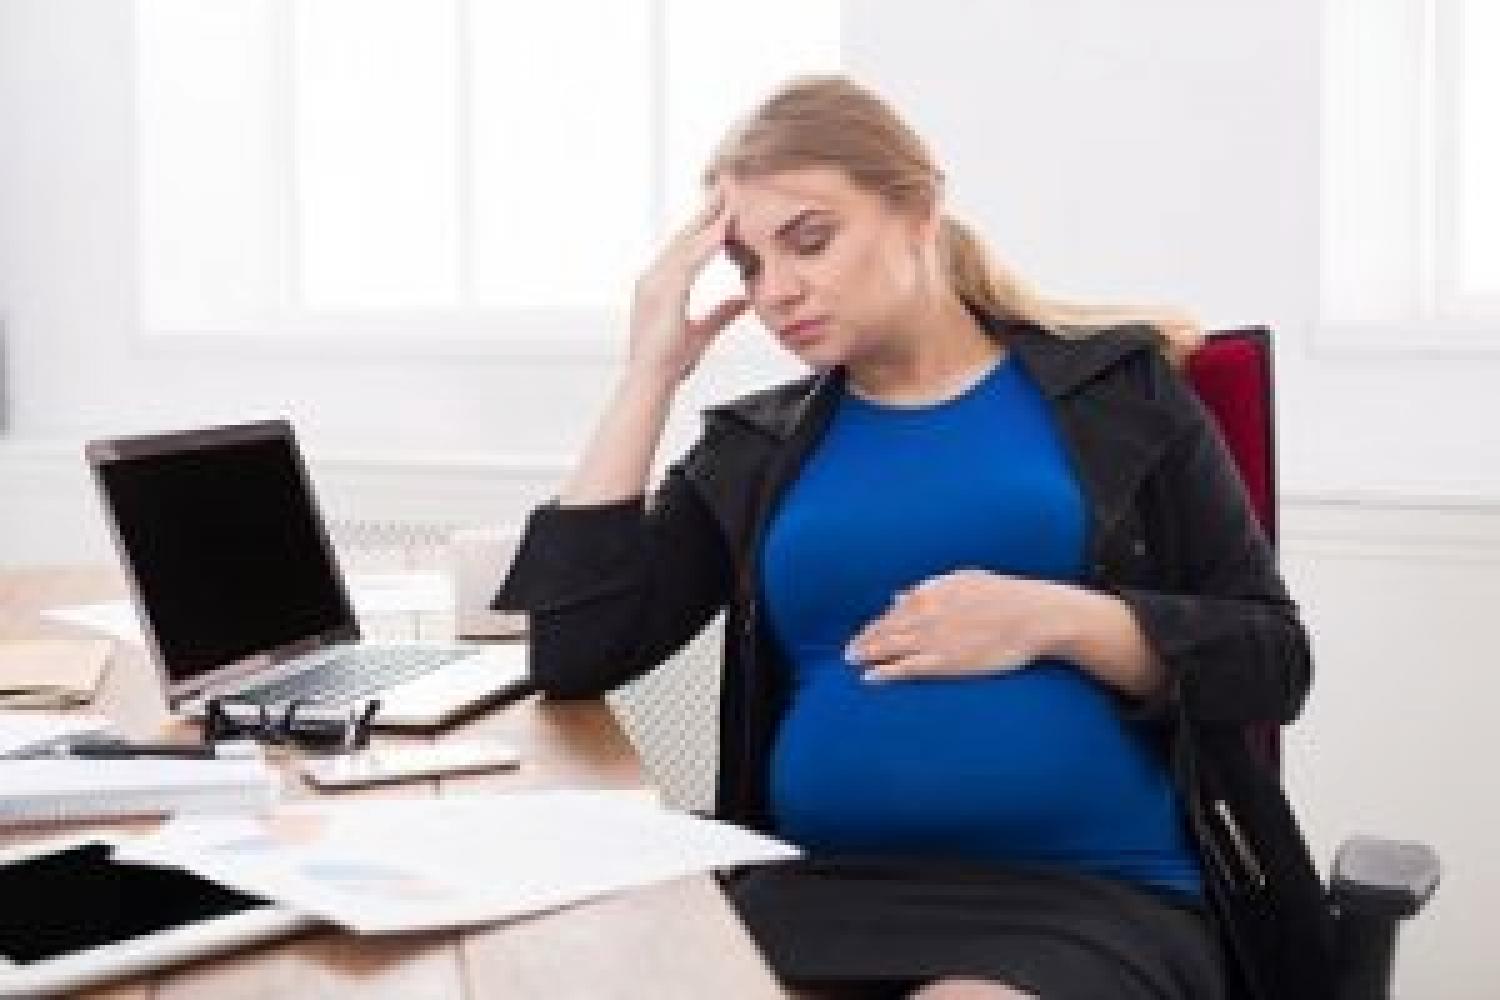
[663, 339]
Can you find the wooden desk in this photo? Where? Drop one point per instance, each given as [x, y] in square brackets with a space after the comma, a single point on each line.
[676, 939]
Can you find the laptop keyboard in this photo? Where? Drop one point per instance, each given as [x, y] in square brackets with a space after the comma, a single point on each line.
[356, 674]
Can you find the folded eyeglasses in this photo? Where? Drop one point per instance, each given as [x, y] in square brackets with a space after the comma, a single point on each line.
[308, 726]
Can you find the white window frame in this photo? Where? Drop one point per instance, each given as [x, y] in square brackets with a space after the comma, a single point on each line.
[448, 334]
[1441, 322]
[1448, 32]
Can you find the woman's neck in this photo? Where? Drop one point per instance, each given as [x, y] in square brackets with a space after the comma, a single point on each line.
[936, 353]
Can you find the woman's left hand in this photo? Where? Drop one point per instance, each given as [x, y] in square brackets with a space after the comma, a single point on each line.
[969, 621]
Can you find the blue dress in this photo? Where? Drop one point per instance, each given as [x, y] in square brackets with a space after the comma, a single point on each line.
[1033, 767]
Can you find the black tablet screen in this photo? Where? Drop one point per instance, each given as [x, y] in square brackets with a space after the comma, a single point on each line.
[79, 898]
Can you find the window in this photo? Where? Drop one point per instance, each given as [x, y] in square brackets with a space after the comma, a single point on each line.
[1472, 106]
[411, 167]
[1411, 172]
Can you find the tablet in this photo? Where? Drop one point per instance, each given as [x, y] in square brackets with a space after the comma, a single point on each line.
[73, 916]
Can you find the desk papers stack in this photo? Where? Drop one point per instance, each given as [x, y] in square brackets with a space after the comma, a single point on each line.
[50, 789]
[384, 865]
[51, 673]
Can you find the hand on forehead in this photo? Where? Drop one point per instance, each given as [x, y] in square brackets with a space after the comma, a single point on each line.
[760, 206]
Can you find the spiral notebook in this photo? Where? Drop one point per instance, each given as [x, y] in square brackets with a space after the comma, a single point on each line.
[33, 791]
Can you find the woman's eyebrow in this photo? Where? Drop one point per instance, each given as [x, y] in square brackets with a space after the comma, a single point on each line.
[735, 246]
[798, 219]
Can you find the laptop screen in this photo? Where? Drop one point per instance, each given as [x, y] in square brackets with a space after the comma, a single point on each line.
[229, 555]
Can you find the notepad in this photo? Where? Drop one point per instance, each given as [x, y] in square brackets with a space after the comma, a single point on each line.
[46, 790]
[51, 673]
[23, 730]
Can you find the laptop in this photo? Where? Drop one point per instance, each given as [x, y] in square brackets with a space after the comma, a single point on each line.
[239, 593]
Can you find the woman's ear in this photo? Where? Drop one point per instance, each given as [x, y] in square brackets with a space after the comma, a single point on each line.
[928, 222]
[925, 230]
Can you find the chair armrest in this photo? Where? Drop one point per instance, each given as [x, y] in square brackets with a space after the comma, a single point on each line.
[1375, 884]
[1383, 879]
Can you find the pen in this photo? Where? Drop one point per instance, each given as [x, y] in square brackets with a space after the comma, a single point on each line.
[113, 748]
[124, 749]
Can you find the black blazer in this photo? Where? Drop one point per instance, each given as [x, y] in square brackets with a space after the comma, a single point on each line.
[615, 589]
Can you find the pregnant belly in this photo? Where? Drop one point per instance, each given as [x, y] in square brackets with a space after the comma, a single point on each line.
[1034, 763]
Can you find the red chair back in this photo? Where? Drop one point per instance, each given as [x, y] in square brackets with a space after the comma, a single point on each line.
[1233, 376]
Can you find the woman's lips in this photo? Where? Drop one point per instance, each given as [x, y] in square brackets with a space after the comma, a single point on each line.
[806, 330]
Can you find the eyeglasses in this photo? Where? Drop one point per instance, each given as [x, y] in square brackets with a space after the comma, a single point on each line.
[308, 726]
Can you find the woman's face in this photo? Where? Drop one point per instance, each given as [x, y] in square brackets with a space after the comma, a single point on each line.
[810, 245]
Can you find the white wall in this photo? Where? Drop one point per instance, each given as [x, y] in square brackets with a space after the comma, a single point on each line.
[1399, 730]
[1163, 149]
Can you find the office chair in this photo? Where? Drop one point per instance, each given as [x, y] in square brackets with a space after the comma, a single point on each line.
[1374, 884]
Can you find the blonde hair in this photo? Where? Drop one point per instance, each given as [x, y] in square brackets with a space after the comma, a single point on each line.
[829, 120]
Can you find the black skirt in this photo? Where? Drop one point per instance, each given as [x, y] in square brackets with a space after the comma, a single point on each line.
[832, 921]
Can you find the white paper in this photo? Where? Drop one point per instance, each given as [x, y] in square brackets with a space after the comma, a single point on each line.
[112, 618]
[382, 865]
[372, 594]
[21, 728]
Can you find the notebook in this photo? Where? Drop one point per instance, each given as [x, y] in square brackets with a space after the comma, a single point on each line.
[50, 673]
[33, 791]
